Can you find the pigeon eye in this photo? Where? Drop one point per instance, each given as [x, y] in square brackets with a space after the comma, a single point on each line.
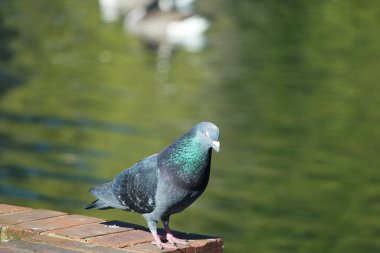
[206, 134]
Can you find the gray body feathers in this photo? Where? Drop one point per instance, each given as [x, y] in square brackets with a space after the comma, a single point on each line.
[132, 190]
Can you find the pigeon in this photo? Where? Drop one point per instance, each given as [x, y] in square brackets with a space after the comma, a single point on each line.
[164, 183]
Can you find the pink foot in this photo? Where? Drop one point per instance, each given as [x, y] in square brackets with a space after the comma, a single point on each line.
[162, 245]
[173, 240]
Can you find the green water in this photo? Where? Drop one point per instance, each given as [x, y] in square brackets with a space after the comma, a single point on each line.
[293, 87]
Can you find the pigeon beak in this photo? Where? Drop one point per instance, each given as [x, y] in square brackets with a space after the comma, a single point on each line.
[216, 146]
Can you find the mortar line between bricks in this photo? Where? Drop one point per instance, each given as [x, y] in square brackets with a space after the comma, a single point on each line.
[71, 226]
[62, 237]
[81, 241]
[74, 226]
[133, 250]
[138, 251]
[112, 233]
[14, 212]
[84, 239]
[89, 250]
[59, 247]
[41, 219]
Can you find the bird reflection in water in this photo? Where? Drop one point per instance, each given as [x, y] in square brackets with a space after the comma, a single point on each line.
[164, 25]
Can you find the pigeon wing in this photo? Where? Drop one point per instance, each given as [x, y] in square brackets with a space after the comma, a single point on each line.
[135, 188]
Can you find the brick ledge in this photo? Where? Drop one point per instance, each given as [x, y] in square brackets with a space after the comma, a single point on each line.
[24, 229]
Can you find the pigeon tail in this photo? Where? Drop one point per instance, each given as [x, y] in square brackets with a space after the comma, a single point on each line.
[98, 204]
[106, 197]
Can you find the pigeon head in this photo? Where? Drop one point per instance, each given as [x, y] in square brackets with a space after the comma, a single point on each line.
[208, 133]
[187, 160]
[190, 155]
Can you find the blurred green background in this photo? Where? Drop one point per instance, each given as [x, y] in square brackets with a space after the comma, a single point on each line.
[293, 86]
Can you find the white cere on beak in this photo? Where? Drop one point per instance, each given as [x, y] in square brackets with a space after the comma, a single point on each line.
[216, 145]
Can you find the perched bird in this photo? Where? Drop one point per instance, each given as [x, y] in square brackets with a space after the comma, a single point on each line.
[164, 183]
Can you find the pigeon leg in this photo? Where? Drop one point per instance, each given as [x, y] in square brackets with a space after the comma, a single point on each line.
[153, 229]
[169, 234]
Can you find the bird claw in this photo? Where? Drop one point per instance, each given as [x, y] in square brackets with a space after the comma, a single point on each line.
[171, 242]
[163, 245]
[171, 239]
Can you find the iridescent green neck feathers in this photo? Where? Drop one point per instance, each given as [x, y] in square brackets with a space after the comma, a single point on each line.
[190, 155]
[186, 162]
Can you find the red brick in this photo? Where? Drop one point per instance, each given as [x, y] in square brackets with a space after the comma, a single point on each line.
[151, 248]
[123, 239]
[27, 247]
[196, 246]
[57, 223]
[85, 231]
[206, 246]
[4, 208]
[27, 216]
[77, 233]
[73, 245]
[10, 248]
